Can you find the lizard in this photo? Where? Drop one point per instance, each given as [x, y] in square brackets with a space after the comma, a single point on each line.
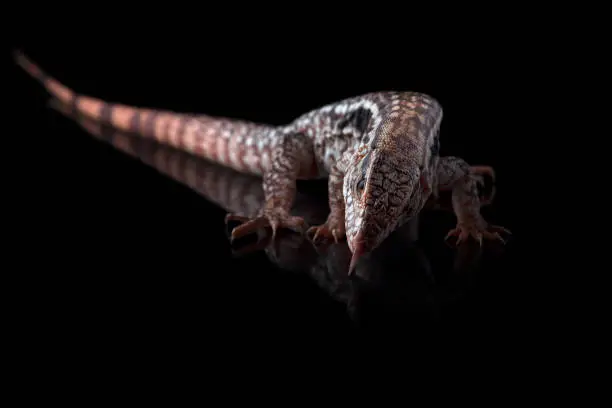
[243, 194]
[379, 151]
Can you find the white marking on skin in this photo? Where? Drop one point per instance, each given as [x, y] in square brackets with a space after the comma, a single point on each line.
[373, 108]
[253, 157]
[266, 163]
[340, 109]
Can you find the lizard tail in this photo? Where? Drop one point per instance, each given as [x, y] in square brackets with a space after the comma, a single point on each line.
[241, 145]
[147, 122]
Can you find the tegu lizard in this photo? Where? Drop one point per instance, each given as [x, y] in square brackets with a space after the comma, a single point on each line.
[243, 194]
[379, 152]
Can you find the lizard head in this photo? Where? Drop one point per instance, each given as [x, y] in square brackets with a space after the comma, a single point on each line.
[381, 190]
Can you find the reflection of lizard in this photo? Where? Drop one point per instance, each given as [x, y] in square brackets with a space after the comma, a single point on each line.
[243, 194]
[379, 151]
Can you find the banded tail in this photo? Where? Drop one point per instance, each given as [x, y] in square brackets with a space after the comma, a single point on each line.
[241, 145]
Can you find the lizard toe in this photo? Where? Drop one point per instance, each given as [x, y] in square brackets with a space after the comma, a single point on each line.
[327, 231]
[269, 219]
[463, 232]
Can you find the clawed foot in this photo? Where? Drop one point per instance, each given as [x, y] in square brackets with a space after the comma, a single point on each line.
[269, 219]
[465, 231]
[331, 229]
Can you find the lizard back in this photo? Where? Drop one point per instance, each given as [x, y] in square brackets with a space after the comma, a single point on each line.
[367, 121]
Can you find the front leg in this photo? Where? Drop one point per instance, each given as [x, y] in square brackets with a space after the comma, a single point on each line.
[292, 155]
[456, 175]
[334, 225]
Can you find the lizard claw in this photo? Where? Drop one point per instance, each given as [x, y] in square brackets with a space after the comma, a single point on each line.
[331, 229]
[465, 231]
[269, 219]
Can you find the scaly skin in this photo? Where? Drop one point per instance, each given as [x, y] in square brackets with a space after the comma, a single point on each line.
[380, 152]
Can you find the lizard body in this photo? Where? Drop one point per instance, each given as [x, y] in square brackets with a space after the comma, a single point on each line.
[379, 152]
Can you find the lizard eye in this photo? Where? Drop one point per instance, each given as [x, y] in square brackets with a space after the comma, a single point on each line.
[360, 186]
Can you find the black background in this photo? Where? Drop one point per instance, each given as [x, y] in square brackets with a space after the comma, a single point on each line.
[130, 254]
